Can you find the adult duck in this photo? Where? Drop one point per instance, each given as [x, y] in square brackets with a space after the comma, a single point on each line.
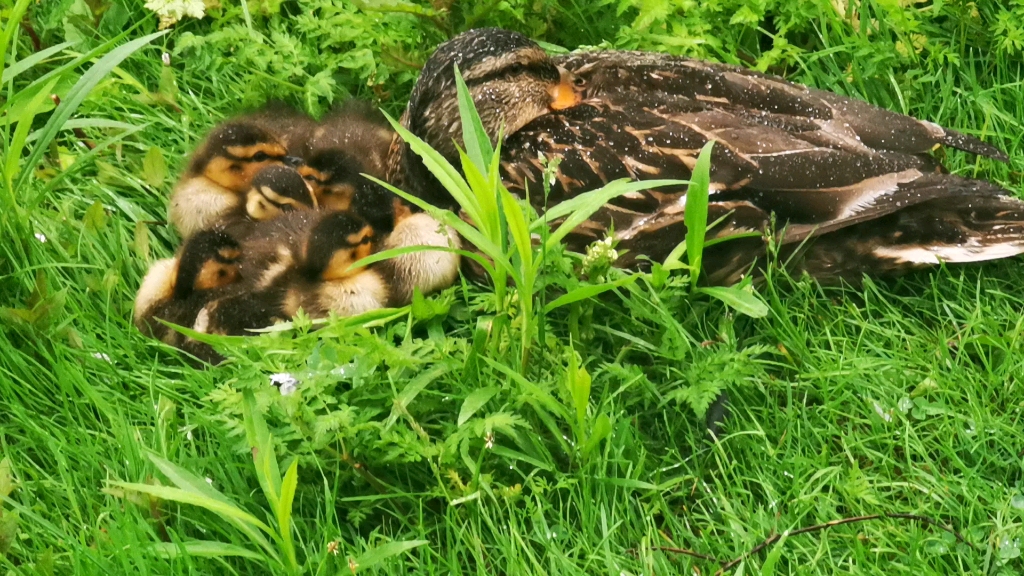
[856, 179]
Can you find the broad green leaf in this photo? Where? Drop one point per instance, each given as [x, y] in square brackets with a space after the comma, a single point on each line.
[24, 125]
[189, 497]
[768, 568]
[583, 206]
[6, 478]
[76, 96]
[696, 214]
[447, 175]
[587, 291]
[262, 444]
[468, 232]
[474, 402]
[413, 389]
[13, 18]
[284, 509]
[201, 549]
[8, 529]
[741, 298]
[12, 71]
[141, 240]
[602, 428]
[578, 382]
[477, 142]
[154, 167]
[385, 551]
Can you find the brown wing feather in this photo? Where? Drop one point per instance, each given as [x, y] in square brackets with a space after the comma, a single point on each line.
[880, 129]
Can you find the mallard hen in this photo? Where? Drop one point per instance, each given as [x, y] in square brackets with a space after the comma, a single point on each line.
[856, 178]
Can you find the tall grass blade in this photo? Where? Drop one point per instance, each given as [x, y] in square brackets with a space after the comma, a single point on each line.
[478, 144]
[201, 549]
[76, 96]
[696, 215]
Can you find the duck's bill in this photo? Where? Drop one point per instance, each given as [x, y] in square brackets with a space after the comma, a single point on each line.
[564, 94]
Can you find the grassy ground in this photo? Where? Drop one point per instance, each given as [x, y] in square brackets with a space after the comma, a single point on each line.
[418, 446]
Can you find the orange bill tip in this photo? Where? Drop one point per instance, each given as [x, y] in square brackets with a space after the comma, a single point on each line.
[564, 94]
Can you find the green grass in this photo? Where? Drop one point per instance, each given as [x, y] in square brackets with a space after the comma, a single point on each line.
[898, 397]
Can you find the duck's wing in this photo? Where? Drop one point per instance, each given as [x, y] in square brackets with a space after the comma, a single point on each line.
[830, 114]
[778, 167]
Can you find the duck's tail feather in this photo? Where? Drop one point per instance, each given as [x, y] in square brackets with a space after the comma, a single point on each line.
[971, 144]
[946, 230]
[820, 212]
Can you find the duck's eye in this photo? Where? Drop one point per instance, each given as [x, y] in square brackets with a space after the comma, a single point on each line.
[579, 82]
[222, 273]
[365, 240]
[309, 178]
[260, 157]
[286, 208]
[515, 69]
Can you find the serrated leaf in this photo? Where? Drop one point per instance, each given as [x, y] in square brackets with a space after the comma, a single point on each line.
[8, 530]
[95, 218]
[385, 551]
[154, 167]
[474, 402]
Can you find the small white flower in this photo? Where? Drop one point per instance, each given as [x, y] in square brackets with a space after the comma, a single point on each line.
[41, 237]
[101, 356]
[171, 11]
[165, 58]
[489, 441]
[209, 481]
[332, 547]
[285, 381]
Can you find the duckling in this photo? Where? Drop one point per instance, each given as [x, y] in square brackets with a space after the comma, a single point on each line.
[325, 281]
[175, 289]
[349, 142]
[220, 174]
[337, 183]
[302, 260]
[293, 128]
[275, 190]
[427, 270]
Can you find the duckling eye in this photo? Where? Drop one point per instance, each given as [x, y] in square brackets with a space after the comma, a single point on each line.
[260, 157]
[365, 240]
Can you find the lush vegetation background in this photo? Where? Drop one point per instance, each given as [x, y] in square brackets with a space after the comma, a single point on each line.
[422, 445]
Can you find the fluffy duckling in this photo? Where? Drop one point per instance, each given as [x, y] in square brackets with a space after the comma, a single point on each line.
[175, 289]
[428, 270]
[338, 185]
[292, 128]
[302, 260]
[220, 174]
[275, 190]
[325, 280]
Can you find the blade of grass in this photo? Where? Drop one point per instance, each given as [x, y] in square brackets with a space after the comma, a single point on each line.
[696, 215]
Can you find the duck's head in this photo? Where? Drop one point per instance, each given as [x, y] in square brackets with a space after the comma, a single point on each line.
[235, 152]
[333, 175]
[276, 190]
[512, 81]
[208, 260]
[337, 241]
